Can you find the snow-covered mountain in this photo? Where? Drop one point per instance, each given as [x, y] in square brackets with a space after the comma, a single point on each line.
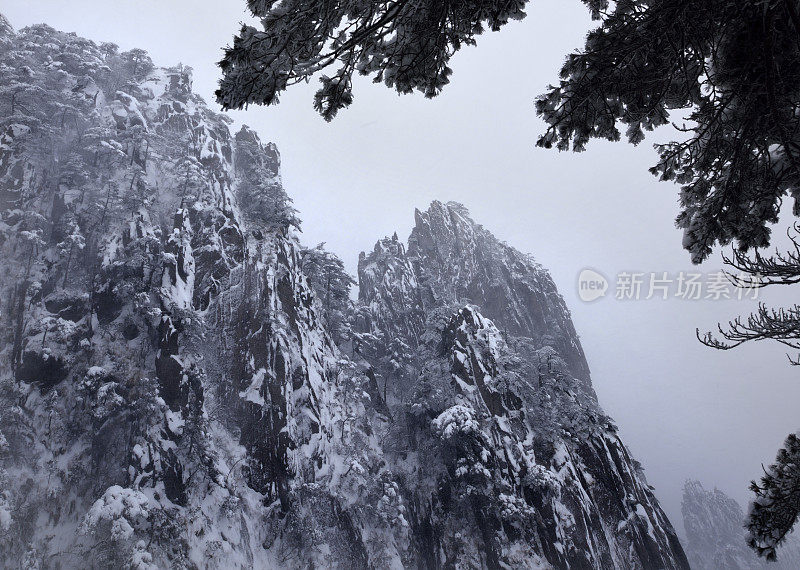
[717, 538]
[471, 340]
[184, 384]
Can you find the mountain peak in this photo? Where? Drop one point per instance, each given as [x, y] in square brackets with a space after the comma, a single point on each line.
[716, 536]
[469, 338]
[201, 391]
[458, 260]
[6, 30]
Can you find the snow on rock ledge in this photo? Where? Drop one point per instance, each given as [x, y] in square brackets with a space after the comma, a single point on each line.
[171, 394]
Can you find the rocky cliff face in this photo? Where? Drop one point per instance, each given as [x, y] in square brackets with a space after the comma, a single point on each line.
[183, 384]
[457, 260]
[470, 339]
[716, 534]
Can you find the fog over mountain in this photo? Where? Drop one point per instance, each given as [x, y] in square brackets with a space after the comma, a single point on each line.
[716, 538]
[684, 410]
[184, 383]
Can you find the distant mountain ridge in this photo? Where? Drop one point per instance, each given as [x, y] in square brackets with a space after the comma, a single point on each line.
[716, 534]
[184, 384]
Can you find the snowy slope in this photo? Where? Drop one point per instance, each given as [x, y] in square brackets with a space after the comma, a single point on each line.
[183, 384]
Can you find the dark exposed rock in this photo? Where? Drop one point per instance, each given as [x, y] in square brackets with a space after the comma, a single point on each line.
[130, 331]
[71, 308]
[42, 369]
[106, 304]
[174, 388]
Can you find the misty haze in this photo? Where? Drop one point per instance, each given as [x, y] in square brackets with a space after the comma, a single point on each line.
[399, 284]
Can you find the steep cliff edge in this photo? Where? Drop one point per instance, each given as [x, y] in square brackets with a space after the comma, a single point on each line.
[532, 466]
[164, 371]
[183, 384]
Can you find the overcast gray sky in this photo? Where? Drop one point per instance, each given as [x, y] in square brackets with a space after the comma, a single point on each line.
[685, 411]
